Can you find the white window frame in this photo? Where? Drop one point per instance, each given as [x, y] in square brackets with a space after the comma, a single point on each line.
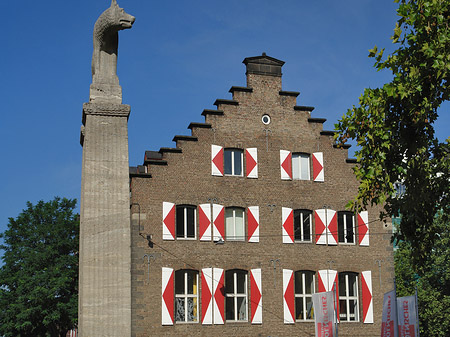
[302, 211]
[228, 235]
[185, 295]
[304, 295]
[233, 152]
[185, 207]
[347, 298]
[299, 156]
[346, 241]
[235, 295]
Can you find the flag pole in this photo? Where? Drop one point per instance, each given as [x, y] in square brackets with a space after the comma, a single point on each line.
[396, 310]
[335, 309]
[417, 315]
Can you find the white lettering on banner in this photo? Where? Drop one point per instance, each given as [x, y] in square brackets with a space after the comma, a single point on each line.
[407, 320]
[323, 314]
[389, 317]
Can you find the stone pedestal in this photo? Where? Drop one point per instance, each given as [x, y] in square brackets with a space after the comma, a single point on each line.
[105, 243]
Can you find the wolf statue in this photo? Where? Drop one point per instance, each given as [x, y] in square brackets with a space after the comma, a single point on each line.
[105, 83]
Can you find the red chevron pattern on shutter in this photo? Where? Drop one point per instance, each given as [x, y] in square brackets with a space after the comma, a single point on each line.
[363, 228]
[204, 222]
[321, 227]
[367, 297]
[168, 221]
[167, 296]
[256, 296]
[217, 160]
[218, 222]
[332, 228]
[207, 301]
[251, 162]
[286, 165]
[288, 296]
[253, 223]
[318, 173]
[219, 296]
[327, 279]
[287, 215]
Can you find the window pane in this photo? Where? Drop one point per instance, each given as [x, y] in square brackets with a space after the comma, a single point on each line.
[295, 166]
[192, 282]
[299, 314]
[180, 221]
[309, 311]
[353, 311]
[349, 223]
[191, 309]
[304, 166]
[229, 282]
[342, 285]
[309, 282]
[352, 285]
[239, 224]
[179, 310]
[340, 227]
[343, 309]
[242, 308]
[298, 282]
[241, 282]
[306, 226]
[297, 226]
[229, 308]
[229, 223]
[237, 162]
[227, 162]
[191, 222]
[179, 282]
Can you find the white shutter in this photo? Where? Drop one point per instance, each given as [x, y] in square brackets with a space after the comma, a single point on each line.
[218, 222]
[287, 215]
[286, 165]
[253, 223]
[251, 162]
[320, 226]
[168, 221]
[317, 159]
[167, 296]
[218, 296]
[367, 296]
[288, 296]
[363, 228]
[256, 296]
[207, 296]
[204, 222]
[217, 160]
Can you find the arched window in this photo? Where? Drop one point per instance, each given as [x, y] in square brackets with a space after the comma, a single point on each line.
[348, 297]
[304, 288]
[186, 296]
[236, 308]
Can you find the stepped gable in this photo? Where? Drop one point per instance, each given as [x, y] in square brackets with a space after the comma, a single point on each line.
[263, 79]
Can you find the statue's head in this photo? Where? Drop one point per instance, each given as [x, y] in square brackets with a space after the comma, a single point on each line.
[121, 19]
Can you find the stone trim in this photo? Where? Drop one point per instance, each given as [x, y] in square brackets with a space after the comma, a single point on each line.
[105, 109]
[327, 133]
[199, 125]
[343, 146]
[317, 120]
[163, 150]
[241, 89]
[351, 161]
[289, 93]
[212, 112]
[303, 108]
[225, 101]
[188, 138]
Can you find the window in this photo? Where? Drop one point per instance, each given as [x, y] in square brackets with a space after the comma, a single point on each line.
[348, 297]
[300, 166]
[236, 295]
[346, 232]
[185, 222]
[304, 288]
[234, 224]
[233, 162]
[186, 296]
[302, 225]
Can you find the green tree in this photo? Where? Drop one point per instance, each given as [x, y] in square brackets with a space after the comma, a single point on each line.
[433, 287]
[393, 126]
[39, 277]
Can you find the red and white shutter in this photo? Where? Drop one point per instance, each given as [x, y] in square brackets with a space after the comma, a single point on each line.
[256, 296]
[286, 165]
[363, 228]
[204, 222]
[167, 296]
[332, 228]
[251, 162]
[253, 223]
[327, 279]
[367, 298]
[217, 160]
[321, 226]
[288, 296]
[287, 219]
[317, 161]
[207, 299]
[168, 221]
[219, 296]
[218, 222]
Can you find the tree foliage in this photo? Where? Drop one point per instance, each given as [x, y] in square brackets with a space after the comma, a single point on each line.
[433, 286]
[39, 277]
[394, 125]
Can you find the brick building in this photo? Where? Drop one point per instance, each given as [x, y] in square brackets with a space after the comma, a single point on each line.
[236, 226]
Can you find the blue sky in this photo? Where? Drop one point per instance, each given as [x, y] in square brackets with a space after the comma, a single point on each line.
[177, 59]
